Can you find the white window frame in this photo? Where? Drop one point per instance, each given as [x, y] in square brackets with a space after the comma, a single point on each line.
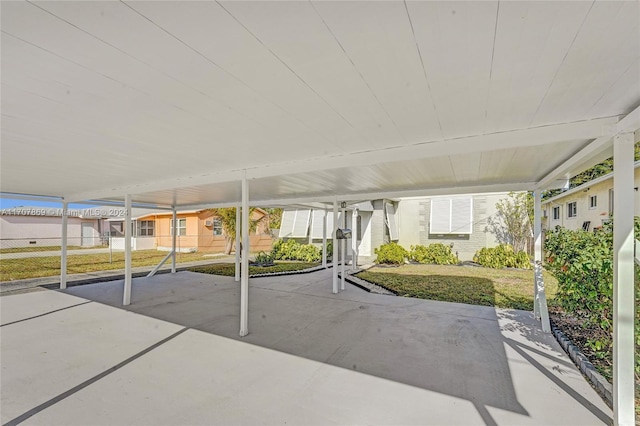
[182, 229]
[216, 227]
[146, 228]
[572, 209]
[593, 202]
[554, 210]
[459, 230]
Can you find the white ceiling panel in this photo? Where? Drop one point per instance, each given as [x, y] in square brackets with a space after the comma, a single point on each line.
[174, 102]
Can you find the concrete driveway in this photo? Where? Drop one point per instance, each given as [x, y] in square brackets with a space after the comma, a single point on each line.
[174, 357]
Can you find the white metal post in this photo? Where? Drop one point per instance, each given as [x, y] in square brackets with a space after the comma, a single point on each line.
[540, 296]
[623, 280]
[354, 240]
[244, 275]
[174, 236]
[344, 249]
[126, 300]
[335, 246]
[324, 239]
[238, 219]
[63, 243]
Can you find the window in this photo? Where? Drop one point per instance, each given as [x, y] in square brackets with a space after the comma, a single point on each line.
[451, 216]
[392, 221]
[593, 201]
[217, 227]
[182, 227]
[572, 209]
[295, 223]
[146, 228]
[556, 213]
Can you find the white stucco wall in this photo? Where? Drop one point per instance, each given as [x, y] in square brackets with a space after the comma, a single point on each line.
[22, 231]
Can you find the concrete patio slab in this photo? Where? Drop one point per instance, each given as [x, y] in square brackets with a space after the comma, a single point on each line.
[311, 357]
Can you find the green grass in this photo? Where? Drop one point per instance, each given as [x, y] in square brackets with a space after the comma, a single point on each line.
[35, 267]
[228, 269]
[502, 288]
[30, 249]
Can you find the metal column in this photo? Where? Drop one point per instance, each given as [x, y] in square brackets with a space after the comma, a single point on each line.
[335, 246]
[126, 300]
[623, 280]
[244, 274]
[173, 241]
[63, 243]
[540, 295]
[238, 219]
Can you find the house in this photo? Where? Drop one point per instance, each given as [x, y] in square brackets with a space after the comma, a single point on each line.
[41, 226]
[197, 230]
[459, 221]
[587, 206]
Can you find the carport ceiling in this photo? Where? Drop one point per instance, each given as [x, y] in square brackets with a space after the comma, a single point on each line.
[171, 101]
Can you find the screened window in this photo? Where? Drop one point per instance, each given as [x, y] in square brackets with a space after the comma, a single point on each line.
[556, 213]
[146, 228]
[181, 227]
[572, 209]
[217, 227]
[593, 201]
[451, 216]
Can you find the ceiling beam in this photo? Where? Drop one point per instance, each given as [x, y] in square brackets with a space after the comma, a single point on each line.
[321, 201]
[630, 123]
[536, 136]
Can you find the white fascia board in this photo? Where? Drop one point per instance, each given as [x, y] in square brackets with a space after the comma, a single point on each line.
[558, 133]
[630, 123]
[584, 185]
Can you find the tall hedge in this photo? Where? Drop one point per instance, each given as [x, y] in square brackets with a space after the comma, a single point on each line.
[583, 264]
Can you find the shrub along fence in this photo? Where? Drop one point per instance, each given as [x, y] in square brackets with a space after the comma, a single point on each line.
[583, 264]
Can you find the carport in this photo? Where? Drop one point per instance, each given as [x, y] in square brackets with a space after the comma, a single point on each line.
[181, 106]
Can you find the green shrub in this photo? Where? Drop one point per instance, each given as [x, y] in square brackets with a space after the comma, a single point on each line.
[436, 253]
[502, 256]
[583, 264]
[263, 258]
[391, 253]
[293, 250]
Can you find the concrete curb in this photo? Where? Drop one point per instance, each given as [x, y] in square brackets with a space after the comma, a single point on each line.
[350, 277]
[600, 384]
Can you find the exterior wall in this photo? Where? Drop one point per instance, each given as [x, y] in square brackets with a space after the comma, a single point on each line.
[21, 231]
[378, 227]
[413, 219]
[188, 242]
[597, 216]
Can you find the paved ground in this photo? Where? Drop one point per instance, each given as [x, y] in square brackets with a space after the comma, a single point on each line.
[174, 357]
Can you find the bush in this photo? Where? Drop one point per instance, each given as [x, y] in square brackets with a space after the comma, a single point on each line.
[391, 253]
[502, 256]
[293, 250]
[583, 264]
[437, 253]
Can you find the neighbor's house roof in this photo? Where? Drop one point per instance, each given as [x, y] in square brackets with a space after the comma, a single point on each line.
[584, 186]
[174, 102]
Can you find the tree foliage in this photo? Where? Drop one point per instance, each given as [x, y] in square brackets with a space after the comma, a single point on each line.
[227, 217]
[512, 223]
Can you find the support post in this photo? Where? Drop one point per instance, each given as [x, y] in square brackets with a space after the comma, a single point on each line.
[335, 246]
[126, 300]
[244, 274]
[63, 244]
[324, 239]
[174, 236]
[238, 226]
[343, 249]
[354, 240]
[623, 280]
[540, 300]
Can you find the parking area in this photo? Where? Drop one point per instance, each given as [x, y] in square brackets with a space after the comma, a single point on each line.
[174, 357]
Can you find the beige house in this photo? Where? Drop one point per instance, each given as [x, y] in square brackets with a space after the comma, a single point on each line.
[587, 206]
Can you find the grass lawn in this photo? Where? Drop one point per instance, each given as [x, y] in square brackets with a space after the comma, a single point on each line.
[229, 269]
[502, 288]
[34, 267]
[30, 249]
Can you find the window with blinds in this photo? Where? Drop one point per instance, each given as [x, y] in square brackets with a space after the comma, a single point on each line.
[451, 215]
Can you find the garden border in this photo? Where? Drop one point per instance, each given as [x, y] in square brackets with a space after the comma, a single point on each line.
[599, 383]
